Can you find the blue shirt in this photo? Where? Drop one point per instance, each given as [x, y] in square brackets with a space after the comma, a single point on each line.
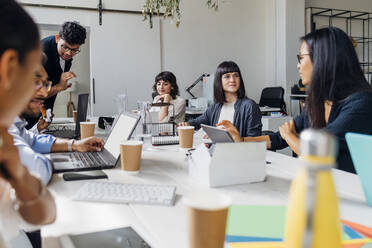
[30, 147]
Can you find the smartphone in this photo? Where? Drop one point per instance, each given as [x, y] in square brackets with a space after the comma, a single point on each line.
[84, 175]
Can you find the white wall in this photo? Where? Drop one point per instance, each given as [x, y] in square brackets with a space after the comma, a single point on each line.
[261, 36]
[124, 54]
[290, 26]
[205, 38]
[132, 5]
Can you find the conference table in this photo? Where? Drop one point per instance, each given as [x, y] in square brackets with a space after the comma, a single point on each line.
[166, 227]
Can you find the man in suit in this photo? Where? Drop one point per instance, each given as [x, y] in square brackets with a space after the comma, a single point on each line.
[60, 49]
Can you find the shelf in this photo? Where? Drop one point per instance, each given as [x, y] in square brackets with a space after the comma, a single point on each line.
[316, 16]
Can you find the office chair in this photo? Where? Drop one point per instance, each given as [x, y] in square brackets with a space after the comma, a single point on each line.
[273, 97]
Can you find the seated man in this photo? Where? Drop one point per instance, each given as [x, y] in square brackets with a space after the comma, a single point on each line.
[31, 146]
[36, 104]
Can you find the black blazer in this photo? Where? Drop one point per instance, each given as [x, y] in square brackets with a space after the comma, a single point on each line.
[52, 66]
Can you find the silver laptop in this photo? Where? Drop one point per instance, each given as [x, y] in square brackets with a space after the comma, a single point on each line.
[81, 116]
[105, 159]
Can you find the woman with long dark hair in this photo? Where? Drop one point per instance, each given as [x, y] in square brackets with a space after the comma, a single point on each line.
[231, 103]
[339, 97]
[166, 90]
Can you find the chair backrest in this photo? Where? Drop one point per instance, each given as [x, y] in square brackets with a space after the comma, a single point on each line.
[272, 97]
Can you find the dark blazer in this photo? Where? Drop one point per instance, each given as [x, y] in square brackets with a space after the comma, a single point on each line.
[247, 117]
[52, 66]
[353, 114]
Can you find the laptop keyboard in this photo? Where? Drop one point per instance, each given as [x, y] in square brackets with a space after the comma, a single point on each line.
[89, 159]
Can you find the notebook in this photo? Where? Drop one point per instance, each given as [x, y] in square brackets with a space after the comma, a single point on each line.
[165, 140]
[360, 147]
[250, 226]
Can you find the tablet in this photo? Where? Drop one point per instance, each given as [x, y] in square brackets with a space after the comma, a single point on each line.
[217, 135]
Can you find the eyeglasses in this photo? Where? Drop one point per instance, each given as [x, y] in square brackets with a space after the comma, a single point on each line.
[39, 83]
[68, 49]
[301, 56]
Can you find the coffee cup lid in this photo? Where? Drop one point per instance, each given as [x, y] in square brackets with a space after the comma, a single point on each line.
[207, 201]
[185, 127]
[131, 142]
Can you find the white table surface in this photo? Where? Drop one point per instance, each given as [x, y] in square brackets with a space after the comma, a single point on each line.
[166, 227]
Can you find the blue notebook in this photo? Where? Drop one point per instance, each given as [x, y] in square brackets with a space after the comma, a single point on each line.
[360, 146]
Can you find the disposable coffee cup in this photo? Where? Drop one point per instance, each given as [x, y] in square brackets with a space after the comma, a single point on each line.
[131, 151]
[75, 115]
[207, 217]
[87, 129]
[186, 134]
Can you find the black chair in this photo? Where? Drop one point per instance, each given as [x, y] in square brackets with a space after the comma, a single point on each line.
[273, 97]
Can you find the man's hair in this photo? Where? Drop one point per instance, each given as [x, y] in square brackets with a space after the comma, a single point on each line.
[73, 33]
[18, 31]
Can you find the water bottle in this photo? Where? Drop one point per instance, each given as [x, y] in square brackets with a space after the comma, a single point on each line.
[313, 216]
[146, 124]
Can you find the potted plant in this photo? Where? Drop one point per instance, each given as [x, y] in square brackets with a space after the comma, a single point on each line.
[168, 8]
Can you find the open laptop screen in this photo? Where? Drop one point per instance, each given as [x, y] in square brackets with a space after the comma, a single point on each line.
[122, 131]
[82, 109]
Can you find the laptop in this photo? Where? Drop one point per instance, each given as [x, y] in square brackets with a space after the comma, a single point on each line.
[105, 159]
[81, 116]
[360, 147]
[217, 135]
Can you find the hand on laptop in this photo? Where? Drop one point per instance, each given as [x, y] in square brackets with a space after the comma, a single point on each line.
[91, 144]
[228, 126]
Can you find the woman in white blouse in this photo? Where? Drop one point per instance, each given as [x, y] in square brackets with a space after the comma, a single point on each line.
[167, 92]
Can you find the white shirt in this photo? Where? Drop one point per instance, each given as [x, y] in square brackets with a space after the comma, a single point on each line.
[227, 112]
[62, 62]
[179, 105]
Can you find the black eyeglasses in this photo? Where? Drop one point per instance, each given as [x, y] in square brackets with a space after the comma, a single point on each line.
[72, 50]
[300, 57]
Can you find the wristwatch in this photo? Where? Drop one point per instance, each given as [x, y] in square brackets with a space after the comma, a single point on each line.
[69, 145]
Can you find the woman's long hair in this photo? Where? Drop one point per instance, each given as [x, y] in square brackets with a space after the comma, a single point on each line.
[336, 74]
